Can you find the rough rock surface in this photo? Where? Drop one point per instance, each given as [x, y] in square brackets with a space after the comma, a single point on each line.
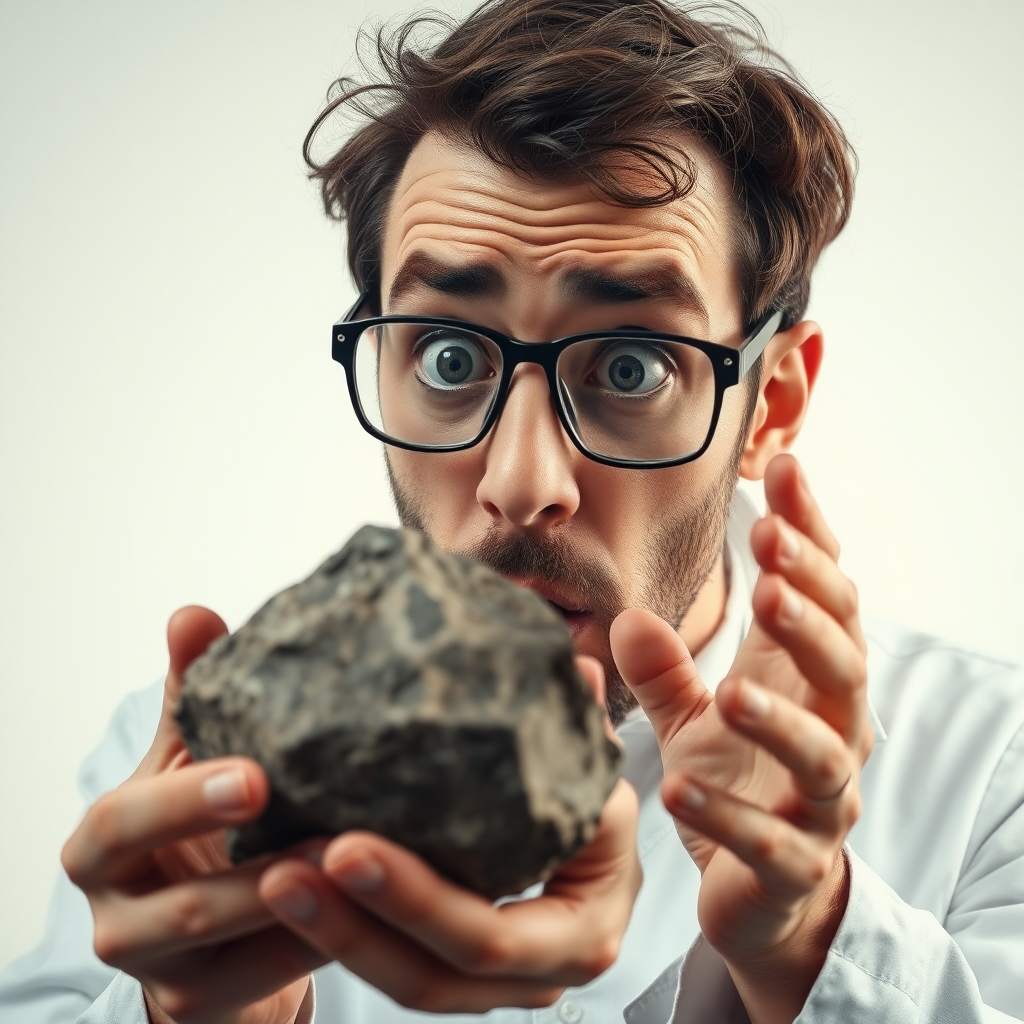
[416, 694]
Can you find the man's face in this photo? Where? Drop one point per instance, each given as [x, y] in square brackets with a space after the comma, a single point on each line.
[467, 239]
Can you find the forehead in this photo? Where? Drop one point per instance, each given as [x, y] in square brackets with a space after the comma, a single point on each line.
[454, 206]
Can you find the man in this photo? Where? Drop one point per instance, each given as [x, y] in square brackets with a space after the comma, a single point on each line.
[621, 189]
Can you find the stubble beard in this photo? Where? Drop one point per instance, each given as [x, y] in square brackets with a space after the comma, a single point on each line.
[675, 559]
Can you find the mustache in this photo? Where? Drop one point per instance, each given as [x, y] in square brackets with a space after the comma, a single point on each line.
[554, 561]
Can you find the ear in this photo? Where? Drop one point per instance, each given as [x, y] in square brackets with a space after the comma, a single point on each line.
[790, 368]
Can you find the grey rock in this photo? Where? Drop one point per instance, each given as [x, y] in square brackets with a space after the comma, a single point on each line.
[416, 694]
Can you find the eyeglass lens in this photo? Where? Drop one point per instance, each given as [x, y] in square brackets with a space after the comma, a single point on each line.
[627, 398]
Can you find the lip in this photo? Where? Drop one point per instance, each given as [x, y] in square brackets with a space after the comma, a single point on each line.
[577, 618]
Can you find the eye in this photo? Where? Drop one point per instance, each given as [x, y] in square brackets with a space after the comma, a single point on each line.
[449, 360]
[632, 368]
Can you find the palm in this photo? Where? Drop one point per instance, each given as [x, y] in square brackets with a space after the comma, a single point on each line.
[707, 749]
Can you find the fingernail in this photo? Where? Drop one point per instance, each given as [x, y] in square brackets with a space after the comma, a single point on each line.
[690, 796]
[359, 872]
[227, 790]
[791, 608]
[789, 546]
[754, 702]
[297, 902]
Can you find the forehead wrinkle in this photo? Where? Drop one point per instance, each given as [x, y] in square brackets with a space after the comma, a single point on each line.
[614, 256]
[545, 199]
[495, 206]
[436, 215]
[487, 214]
[476, 185]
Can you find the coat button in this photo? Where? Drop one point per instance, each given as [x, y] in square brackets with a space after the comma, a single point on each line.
[570, 1012]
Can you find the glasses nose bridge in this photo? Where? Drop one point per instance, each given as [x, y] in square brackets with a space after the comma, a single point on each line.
[516, 353]
[540, 353]
[544, 354]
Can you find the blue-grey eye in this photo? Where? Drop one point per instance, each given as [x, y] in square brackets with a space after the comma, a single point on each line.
[631, 368]
[454, 360]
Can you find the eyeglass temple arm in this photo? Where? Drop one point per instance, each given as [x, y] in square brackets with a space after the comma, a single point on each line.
[751, 349]
[350, 314]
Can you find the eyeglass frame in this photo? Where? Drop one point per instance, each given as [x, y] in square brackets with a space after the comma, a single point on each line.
[730, 366]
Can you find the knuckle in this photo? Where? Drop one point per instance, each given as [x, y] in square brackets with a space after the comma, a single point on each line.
[858, 675]
[820, 868]
[492, 956]
[768, 844]
[108, 945]
[102, 823]
[832, 771]
[605, 953]
[191, 916]
[848, 600]
[853, 809]
[71, 860]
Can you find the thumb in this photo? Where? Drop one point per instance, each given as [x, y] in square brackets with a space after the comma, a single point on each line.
[189, 632]
[657, 667]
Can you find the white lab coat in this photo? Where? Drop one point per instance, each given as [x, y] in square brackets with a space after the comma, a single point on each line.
[934, 930]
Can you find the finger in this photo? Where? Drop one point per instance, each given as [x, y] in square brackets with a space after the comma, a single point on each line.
[207, 987]
[189, 632]
[779, 549]
[393, 963]
[826, 655]
[788, 862]
[132, 931]
[787, 493]
[658, 669]
[819, 760]
[593, 673]
[568, 935]
[144, 814]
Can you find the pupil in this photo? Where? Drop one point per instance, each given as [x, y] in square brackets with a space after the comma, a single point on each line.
[454, 365]
[627, 372]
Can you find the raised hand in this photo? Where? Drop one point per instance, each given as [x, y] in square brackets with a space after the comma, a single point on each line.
[432, 946]
[169, 908]
[763, 778]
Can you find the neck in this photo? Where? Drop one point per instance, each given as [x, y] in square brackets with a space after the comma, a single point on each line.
[701, 622]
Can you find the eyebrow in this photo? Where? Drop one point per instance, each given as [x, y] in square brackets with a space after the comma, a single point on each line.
[582, 285]
[469, 281]
[585, 285]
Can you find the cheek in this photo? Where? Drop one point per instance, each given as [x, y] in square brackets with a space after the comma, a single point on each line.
[727, 434]
[652, 499]
[442, 487]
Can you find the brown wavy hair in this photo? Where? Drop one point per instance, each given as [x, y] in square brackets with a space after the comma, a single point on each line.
[577, 90]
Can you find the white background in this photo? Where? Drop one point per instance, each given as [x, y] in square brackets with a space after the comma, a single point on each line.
[172, 429]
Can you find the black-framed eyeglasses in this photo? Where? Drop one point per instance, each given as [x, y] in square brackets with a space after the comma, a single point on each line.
[630, 398]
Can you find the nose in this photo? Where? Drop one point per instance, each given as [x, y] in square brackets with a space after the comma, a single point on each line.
[528, 478]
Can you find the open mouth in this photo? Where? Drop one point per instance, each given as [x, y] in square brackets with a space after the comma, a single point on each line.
[576, 619]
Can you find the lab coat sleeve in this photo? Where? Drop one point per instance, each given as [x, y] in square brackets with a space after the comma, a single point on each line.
[62, 981]
[890, 961]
